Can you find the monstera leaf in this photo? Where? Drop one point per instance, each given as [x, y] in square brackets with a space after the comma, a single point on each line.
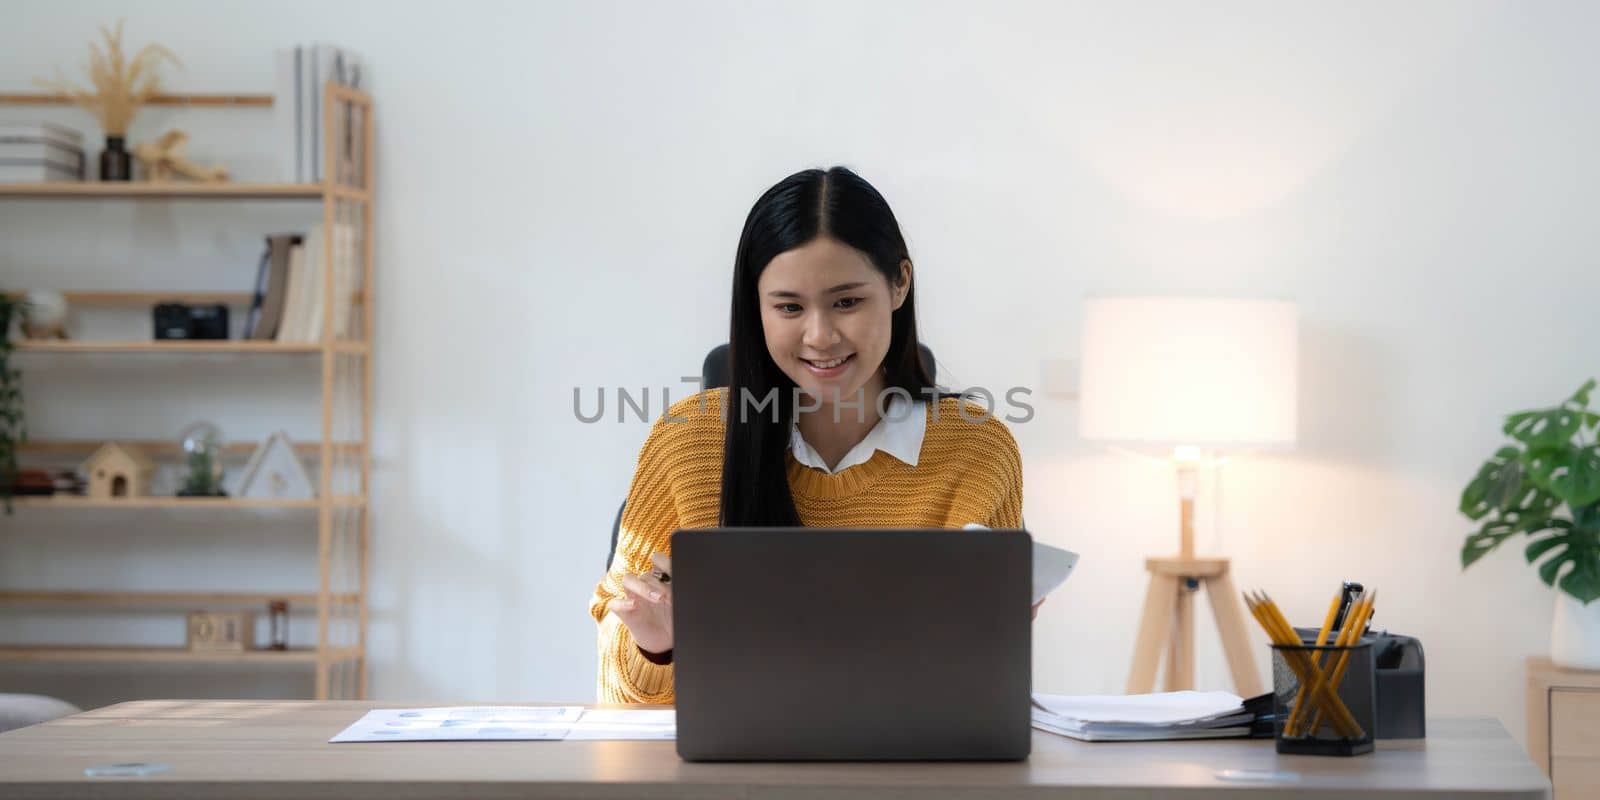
[1530, 513]
[1510, 504]
[1499, 486]
[1522, 487]
[1553, 427]
[1570, 473]
[1575, 542]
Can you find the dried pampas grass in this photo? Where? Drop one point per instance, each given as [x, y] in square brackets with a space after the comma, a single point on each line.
[121, 85]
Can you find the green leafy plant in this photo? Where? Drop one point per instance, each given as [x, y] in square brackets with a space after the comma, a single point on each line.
[13, 431]
[1546, 484]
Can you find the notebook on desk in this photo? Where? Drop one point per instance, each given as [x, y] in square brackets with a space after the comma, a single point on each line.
[852, 644]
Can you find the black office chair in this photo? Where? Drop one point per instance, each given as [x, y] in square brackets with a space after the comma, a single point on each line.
[714, 374]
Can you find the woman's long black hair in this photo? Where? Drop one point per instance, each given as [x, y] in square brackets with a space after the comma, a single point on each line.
[807, 205]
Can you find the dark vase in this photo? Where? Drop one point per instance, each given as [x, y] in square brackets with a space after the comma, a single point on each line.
[115, 163]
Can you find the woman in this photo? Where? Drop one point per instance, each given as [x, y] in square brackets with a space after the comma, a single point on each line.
[830, 419]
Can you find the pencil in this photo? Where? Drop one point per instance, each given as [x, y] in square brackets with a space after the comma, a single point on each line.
[1355, 623]
[1362, 616]
[1297, 724]
[1278, 629]
[1298, 713]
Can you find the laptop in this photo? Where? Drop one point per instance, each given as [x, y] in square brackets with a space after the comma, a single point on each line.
[819, 644]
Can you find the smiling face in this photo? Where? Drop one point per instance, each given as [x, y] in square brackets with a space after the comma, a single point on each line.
[825, 312]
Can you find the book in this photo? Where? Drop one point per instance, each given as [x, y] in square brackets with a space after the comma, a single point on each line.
[40, 152]
[286, 113]
[346, 279]
[290, 328]
[316, 262]
[276, 285]
[310, 113]
[252, 319]
[302, 73]
[342, 66]
[31, 131]
[37, 172]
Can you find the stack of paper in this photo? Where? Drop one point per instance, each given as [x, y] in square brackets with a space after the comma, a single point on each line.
[1135, 717]
[1051, 565]
[519, 723]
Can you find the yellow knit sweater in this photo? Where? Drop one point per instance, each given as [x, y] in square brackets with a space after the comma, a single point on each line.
[967, 471]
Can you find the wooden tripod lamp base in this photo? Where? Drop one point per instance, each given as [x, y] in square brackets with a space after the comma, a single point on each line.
[1167, 624]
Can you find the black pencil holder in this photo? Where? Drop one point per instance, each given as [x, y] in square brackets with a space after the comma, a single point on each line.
[1306, 722]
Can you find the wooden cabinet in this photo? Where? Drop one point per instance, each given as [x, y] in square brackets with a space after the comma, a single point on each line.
[1564, 727]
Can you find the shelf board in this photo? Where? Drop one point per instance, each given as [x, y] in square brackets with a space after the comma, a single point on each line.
[342, 501]
[158, 654]
[118, 299]
[171, 346]
[53, 99]
[165, 448]
[298, 601]
[173, 189]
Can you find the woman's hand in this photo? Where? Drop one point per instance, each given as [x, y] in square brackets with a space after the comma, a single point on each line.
[646, 607]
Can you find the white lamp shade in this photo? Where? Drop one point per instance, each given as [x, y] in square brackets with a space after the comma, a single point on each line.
[1175, 371]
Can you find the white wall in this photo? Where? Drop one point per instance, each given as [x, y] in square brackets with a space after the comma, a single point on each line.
[562, 186]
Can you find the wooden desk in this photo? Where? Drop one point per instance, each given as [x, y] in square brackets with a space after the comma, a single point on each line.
[279, 749]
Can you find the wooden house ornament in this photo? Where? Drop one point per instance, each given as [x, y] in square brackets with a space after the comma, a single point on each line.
[118, 470]
[275, 472]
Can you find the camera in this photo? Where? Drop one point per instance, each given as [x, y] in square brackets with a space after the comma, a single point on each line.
[182, 321]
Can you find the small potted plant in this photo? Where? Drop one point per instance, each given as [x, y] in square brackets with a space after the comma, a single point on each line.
[1545, 485]
[12, 430]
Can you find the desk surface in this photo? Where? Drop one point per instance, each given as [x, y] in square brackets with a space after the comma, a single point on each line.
[249, 748]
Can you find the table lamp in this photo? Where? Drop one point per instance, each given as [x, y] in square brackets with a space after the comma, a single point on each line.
[1189, 375]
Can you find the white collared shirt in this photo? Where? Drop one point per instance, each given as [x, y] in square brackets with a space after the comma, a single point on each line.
[899, 434]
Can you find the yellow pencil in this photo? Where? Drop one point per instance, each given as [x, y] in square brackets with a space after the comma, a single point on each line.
[1299, 728]
[1278, 629]
[1298, 713]
[1313, 678]
[1355, 626]
[1359, 627]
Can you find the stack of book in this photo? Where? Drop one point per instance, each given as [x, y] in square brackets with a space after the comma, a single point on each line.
[36, 152]
[1141, 717]
[302, 74]
[290, 300]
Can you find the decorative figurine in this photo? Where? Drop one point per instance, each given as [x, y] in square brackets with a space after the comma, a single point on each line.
[163, 157]
[44, 315]
[202, 443]
[118, 470]
[278, 615]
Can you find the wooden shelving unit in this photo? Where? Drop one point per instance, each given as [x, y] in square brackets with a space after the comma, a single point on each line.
[343, 453]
